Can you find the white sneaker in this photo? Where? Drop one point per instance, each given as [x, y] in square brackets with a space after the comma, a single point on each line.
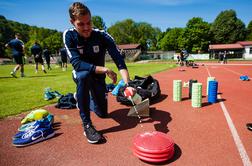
[13, 74]
[75, 97]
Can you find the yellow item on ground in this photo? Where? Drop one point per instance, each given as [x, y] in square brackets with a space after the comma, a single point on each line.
[35, 115]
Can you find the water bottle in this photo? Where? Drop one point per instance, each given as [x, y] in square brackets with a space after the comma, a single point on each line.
[136, 99]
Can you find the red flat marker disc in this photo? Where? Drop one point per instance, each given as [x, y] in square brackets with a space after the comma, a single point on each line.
[153, 146]
[156, 160]
[153, 142]
[149, 155]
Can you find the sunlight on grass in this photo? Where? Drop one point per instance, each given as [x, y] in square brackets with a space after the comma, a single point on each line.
[24, 94]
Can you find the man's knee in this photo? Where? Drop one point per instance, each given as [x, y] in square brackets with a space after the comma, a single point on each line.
[81, 76]
[100, 109]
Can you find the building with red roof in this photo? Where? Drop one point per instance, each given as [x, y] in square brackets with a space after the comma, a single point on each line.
[240, 49]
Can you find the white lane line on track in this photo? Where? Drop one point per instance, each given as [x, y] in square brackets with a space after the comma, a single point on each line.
[243, 154]
[231, 64]
[208, 72]
[239, 74]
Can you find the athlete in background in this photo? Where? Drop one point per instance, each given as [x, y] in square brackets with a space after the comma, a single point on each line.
[36, 51]
[17, 47]
[63, 55]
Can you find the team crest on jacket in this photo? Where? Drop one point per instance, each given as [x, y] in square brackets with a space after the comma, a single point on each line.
[96, 49]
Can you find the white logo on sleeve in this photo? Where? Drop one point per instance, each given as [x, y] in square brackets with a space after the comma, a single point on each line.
[96, 49]
[80, 48]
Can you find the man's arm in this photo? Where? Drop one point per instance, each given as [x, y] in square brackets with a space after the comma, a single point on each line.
[125, 75]
[117, 57]
[104, 70]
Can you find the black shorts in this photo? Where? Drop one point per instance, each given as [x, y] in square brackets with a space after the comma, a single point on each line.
[39, 60]
[19, 59]
[64, 59]
[47, 60]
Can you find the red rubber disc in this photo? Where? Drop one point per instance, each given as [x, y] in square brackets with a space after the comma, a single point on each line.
[149, 155]
[153, 142]
[153, 146]
[154, 160]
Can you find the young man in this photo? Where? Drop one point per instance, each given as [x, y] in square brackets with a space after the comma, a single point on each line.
[36, 51]
[86, 48]
[47, 56]
[63, 55]
[17, 47]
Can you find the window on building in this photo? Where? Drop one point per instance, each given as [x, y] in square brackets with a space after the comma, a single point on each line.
[250, 50]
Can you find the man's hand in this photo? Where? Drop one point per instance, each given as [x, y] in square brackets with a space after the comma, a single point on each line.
[104, 70]
[112, 75]
[129, 92]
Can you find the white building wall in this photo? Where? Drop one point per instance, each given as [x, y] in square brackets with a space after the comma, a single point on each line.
[195, 56]
[246, 53]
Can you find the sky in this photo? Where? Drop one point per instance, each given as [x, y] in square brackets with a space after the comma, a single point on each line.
[53, 14]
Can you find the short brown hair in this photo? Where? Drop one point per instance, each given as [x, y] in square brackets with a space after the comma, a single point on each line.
[17, 35]
[78, 9]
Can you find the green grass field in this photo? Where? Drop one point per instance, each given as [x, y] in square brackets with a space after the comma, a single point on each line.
[25, 94]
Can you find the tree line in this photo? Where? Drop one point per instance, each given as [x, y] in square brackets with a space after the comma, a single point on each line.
[195, 37]
[47, 38]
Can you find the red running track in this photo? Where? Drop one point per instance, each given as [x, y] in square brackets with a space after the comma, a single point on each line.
[213, 135]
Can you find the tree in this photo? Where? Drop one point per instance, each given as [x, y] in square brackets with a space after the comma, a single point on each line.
[29, 34]
[227, 28]
[146, 35]
[128, 31]
[54, 42]
[6, 34]
[123, 31]
[170, 40]
[195, 36]
[99, 23]
[249, 31]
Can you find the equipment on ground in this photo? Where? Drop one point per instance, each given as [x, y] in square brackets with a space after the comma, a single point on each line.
[153, 146]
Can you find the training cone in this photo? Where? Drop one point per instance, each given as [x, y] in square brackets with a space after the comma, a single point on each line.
[153, 146]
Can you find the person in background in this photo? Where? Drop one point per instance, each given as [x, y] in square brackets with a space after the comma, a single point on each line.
[17, 47]
[220, 57]
[181, 58]
[36, 51]
[86, 48]
[47, 56]
[225, 57]
[63, 55]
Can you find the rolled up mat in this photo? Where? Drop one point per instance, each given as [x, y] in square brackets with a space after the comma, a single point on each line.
[196, 94]
[212, 92]
[209, 79]
[190, 87]
[177, 90]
